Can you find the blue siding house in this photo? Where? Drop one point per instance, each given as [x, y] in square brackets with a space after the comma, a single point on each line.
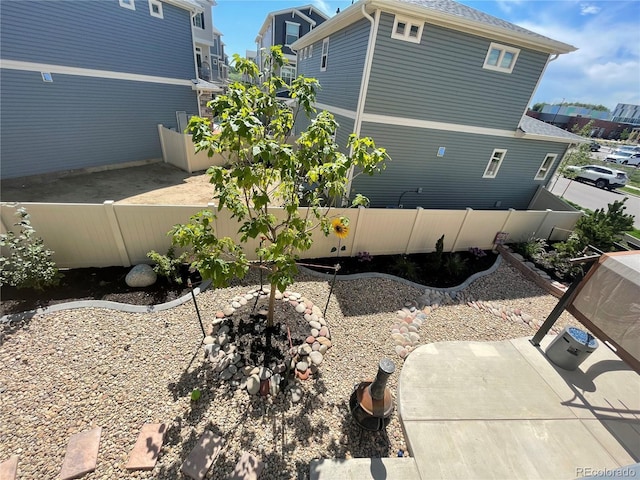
[284, 27]
[444, 88]
[88, 85]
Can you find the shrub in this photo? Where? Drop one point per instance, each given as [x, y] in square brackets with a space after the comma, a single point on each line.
[455, 265]
[29, 264]
[403, 267]
[168, 265]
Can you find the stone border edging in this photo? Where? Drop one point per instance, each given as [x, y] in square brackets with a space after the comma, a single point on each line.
[530, 274]
[358, 276]
[122, 307]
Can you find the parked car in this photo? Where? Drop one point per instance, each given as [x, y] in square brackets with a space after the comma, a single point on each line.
[627, 149]
[624, 158]
[601, 177]
[594, 146]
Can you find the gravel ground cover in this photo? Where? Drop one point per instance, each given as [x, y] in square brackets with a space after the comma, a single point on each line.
[67, 372]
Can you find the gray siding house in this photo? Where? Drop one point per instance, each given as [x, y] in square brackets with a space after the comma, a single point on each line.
[85, 84]
[444, 88]
[284, 27]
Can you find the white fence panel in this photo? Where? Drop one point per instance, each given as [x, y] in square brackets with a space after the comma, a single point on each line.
[479, 229]
[79, 234]
[384, 231]
[90, 235]
[522, 225]
[145, 227]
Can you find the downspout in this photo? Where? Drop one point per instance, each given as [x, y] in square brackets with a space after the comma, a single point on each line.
[549, 60]
[195, 61]
[364, 84]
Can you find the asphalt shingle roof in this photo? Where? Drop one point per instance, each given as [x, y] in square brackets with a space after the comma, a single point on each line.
[463, 11]
[536, 127]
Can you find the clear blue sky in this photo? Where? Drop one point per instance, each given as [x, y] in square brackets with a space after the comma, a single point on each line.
[605, 69]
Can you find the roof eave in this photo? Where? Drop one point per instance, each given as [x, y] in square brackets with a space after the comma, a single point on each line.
[354, 12]
[186, 5]
[550, 138]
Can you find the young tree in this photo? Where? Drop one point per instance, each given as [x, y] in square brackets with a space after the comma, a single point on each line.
[265, 169]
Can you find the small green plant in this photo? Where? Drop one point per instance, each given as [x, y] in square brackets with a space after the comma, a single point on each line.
[403, 267]
[29, 264]
[455, 265]
[195, 394]
[168, 265]
[534, 248]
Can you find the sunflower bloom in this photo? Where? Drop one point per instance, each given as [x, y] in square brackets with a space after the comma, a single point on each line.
[340, 229]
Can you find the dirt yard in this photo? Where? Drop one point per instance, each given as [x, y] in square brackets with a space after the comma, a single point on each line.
[153, 184]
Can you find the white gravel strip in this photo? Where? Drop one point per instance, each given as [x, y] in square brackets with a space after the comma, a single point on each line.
[69, 371]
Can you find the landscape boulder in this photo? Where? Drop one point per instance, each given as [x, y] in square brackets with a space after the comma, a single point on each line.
[141, 276]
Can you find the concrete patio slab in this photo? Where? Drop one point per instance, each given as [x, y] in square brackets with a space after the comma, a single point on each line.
[467, 380]
[503, 410]
[364, 469]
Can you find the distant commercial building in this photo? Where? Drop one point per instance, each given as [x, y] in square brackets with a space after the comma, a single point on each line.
[627, 113]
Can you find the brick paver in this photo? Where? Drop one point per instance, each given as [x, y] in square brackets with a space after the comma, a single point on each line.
[81, 455]
[249, 467]
[8, 468]
[202, 456]
[147, 448]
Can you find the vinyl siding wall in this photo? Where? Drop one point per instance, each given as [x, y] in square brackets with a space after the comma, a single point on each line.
[79, 122]
[441, 79]
[305, 27]
[341, 81]
[98, 35]
[455, 180]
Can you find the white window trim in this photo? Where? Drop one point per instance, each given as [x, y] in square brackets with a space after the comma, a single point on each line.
[324, 57]
[310, 51]
[130, 4]
[544, 169]
[498, 154]
[408, 24]
[158, 4]
[503, 49]
[286, 35]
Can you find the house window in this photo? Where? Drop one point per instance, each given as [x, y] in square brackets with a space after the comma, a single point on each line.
[325, 54]
[543, 171]
[494, 163]
[130, 4]
[310, 51]
[292, 33]
[407, 29]
[288, 74]
[501, 58]
[155, 8]
[305, 52]
[198, 20]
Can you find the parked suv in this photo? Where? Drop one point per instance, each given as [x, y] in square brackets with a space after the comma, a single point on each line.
[601, 177]
[594, 146]
[624, 158]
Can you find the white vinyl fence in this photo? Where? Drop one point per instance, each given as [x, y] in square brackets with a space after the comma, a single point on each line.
[109, 234]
